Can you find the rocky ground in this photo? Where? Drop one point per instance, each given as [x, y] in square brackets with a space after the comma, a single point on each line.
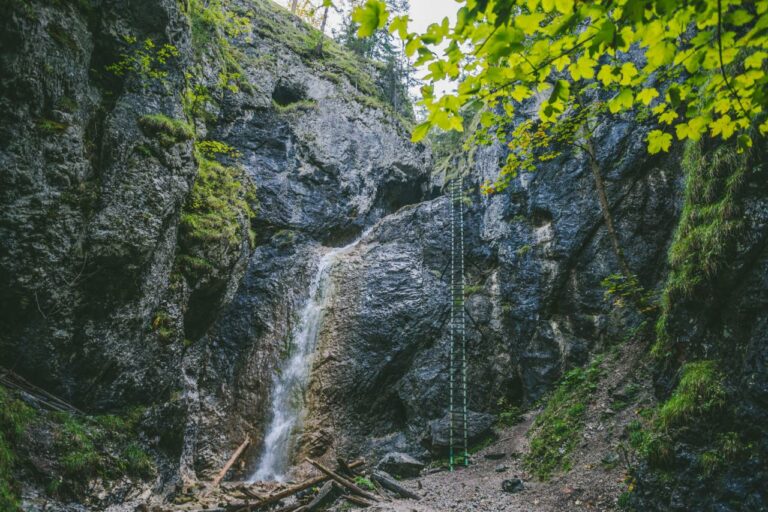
[597, 478]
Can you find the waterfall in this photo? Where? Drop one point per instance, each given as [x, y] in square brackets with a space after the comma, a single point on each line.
[290, 382]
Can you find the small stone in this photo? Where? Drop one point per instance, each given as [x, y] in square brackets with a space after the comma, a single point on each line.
[512, 485]
[501, 468]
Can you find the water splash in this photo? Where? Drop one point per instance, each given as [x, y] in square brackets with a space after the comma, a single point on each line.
[290, 382]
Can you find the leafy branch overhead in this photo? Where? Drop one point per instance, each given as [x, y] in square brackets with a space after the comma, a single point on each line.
[504, 52]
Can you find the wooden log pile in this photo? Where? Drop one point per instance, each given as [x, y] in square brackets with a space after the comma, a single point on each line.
[345, 482]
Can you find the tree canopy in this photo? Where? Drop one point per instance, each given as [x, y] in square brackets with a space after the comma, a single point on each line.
[691, 67]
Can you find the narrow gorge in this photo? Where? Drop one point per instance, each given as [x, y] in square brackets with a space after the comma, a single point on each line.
[215, 228]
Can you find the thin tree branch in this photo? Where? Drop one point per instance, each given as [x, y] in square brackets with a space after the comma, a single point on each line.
[720, 51]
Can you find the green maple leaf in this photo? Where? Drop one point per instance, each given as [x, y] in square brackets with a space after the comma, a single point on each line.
[659, 141]
[371, 16]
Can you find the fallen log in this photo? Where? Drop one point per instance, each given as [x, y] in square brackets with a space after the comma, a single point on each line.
[251, 494]
[389, 483]
[231, 461]
[344, 468]
[343, 481]
[49, 400]
[272, 498]
[357, 500]
[326, 495]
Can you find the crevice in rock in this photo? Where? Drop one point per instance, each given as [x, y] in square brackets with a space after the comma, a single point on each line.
[286, 93]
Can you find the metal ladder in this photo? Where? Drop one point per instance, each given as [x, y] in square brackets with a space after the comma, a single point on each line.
[458, 427]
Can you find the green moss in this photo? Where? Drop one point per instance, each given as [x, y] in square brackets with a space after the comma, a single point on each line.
[163, 326]
[284, 238]
[509, 415]
[473, 289]
[170, 131]
[137, 462]
[706, 232]
[61, 36]
[557, 429]
[101, 446]
[215, 214]
[15, 416]
[213, 24]
[82, 448]
[51, 127]
[523, 250]
[147, 60]
[67, 104]
[364, 483]
[699, 393]
[214, 148]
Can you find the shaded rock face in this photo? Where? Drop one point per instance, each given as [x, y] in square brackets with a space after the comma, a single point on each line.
[91, 206]
[87, 235]
[536, 255]
[478, 428]
[724, 321]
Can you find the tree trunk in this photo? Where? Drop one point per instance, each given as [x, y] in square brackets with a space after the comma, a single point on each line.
[319, 47]
[294, 5]
[606, 207]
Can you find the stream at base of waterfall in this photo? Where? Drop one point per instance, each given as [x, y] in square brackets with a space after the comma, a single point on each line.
[290, 382]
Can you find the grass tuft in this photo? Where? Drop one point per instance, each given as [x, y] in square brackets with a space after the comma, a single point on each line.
[169, 130]
[556, 431]
[699, 393]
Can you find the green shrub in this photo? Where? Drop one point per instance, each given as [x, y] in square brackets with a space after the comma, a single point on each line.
[51, 127]
[15, 415]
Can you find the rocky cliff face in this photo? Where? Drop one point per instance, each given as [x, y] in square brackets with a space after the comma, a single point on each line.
[131, 132]
[536, 256]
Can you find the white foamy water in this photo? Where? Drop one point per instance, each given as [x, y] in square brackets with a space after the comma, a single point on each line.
[291, 381]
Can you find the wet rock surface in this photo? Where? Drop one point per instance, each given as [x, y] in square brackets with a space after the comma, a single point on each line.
[400, 465]
[535, 257]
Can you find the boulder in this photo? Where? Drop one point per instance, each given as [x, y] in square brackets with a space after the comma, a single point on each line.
[400, 465]
[479, 426]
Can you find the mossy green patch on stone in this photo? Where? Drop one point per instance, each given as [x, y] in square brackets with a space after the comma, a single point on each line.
[708, 226]
[167, 129]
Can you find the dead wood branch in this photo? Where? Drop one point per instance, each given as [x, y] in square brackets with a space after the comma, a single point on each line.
[389, 483]
[343, 481]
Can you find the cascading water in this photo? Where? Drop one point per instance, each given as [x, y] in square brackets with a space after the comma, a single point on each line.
[290, 382]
